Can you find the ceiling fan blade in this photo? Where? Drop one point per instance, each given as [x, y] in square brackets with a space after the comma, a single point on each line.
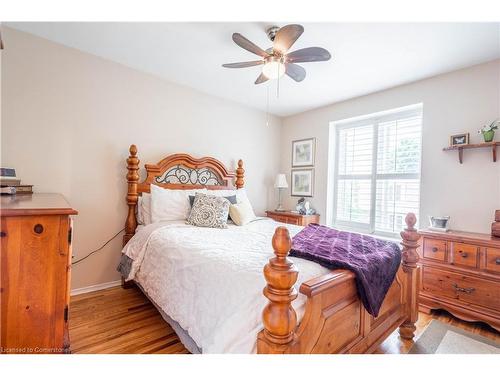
[248, 45]
[296, 72]
[310, 54]
[286, 36]
[261, 79]
[243, 64]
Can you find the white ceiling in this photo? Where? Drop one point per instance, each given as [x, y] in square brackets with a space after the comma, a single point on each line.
[367, 57]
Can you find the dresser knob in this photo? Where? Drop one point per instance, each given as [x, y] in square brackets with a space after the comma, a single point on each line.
[38, 228]
[463, 255]
[3, 234]
[497, 261]
[434, 249]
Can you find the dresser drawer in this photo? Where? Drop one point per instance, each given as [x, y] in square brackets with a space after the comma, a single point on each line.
[464, 254]
[280, 219]
[293, 220]
[492, 259]
[434, 249]
[471, 290]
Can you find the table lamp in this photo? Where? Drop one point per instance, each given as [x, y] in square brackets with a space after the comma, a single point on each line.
[280, 184]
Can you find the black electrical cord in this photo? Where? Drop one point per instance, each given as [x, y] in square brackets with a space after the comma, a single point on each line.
[95, 251]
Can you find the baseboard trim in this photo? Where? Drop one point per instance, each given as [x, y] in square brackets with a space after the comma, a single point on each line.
[94, 288]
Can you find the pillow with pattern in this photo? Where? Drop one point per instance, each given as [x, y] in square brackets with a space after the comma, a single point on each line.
[209, 211]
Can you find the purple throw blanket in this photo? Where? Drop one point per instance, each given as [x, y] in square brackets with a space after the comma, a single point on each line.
[373, 261]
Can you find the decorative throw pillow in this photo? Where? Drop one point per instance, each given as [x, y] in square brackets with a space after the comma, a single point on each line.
[209, 211]
[242, 213]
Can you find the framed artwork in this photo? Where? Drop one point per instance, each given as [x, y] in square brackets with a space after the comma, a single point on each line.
[459, 139]
[303, 152]
[302, 182]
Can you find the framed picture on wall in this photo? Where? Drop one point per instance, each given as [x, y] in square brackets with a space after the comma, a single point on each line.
[302, 182]
[459, 139]
[303, 152]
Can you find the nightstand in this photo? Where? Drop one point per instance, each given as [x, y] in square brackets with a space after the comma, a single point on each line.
[289, 217]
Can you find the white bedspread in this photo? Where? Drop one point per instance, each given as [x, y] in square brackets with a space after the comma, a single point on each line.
[210, 280]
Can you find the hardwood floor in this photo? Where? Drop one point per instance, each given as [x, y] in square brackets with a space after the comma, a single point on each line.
[120, 320]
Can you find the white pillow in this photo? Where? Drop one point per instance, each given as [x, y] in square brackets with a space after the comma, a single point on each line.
[241, 213]
[144, 209]
[241, 196]
[170, 204]
[139, 216]
[221, 193]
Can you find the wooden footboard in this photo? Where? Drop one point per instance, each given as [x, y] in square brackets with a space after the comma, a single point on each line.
[335, 320]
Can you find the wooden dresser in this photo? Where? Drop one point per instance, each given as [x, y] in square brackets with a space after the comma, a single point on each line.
[35, 273]
[461, 274]
[289, 217]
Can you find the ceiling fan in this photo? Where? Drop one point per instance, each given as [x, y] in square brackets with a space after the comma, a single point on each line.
[277, 61]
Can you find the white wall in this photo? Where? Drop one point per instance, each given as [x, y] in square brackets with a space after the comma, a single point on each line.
[68, 119]
[457, 102]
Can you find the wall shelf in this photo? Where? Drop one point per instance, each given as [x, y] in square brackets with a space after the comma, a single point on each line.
[460, 149]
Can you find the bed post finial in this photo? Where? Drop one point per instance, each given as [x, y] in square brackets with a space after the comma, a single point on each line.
[279, 317]
[240, 173]
[132, 195]
[410, 258]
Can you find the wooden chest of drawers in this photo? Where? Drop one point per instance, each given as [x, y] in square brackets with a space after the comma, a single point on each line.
[460, 273]
[35, 268]
[289, 217]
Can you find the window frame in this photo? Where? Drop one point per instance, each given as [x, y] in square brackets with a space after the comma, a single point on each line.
[375, 120]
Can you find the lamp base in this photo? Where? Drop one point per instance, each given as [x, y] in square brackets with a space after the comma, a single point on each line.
[280, 207]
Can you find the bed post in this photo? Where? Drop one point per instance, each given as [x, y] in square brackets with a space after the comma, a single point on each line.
[279, 317]
[132, 198]
[411, 269]
[240, 172]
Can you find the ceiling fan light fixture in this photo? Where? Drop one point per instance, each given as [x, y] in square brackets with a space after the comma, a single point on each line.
[277, 60]
[273, 68]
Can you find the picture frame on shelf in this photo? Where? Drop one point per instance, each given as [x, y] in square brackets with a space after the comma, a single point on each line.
[302, 182]
[303, 151]
[459, 139]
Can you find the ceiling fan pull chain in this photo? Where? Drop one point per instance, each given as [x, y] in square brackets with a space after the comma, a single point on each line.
[267, 107]
[278, 88]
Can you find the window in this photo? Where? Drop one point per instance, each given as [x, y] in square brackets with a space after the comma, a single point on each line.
[377, 170]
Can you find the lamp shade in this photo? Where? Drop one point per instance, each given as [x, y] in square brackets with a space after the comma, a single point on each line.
[280, 182]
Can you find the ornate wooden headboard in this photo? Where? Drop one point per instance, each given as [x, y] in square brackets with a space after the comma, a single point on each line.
[177, 171]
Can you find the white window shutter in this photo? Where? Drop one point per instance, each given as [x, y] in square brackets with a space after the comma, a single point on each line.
[378, 197]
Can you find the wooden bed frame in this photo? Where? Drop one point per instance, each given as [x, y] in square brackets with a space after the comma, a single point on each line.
[335, 320]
